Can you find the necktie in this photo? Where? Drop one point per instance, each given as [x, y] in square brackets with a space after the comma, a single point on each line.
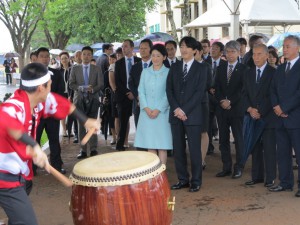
[85, 75]
[145, 65]
[214, 68]
[172, 62]
[258, 76]
[288, 68]
[184, 71]
[129, 64]
[229, 73]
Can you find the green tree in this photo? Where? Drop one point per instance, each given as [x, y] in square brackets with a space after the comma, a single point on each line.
[21, 18]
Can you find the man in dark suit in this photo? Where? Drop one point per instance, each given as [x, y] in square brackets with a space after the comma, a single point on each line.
[135, 75]
[286, 104]
[243, 43]
[123, 95]
[258, 105]
[102, 61]
[171, 47]
[86, 82]
[186, 86]
[51, 125]
[247, 59]
[216, 53]
[230, 111]
[206, 51]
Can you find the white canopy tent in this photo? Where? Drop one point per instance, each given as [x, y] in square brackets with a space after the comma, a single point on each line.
[251, 13]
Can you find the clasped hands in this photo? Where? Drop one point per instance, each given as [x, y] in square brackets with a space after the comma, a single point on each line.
[253, 113]
[225, 104]
[86, 88]
[180, 114]
[278, 111]
[152, 113]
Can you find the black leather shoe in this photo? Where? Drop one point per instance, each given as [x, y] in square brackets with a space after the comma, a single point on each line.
[223, 174]
[75, 140]
[269, 184]
[194, 188]
[279, 188]
[252, 182]
[63, 171]
[81, 155]
[237, 173]
[93, 153]
[180, 185]
[297, 193]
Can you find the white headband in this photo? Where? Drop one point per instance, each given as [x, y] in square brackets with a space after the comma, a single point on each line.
[37, 82]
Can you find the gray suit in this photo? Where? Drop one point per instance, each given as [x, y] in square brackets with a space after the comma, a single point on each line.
[87, 103]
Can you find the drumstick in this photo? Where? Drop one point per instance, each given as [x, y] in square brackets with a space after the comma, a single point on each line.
[63, 179]
[87, 136]
[90, 132]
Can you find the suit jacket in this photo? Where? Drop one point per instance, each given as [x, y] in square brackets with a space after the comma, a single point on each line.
[121, 79]
[285, 92]
[259, 95]
[208, 59]
[58, 84]
[134, 77]
[77, 79]
[248, 60]
[233, 91]
[212, 99]
[167, 63]
[103, 63]
[187, 95]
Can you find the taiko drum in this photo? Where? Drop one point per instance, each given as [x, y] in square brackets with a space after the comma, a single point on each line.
[122, 188]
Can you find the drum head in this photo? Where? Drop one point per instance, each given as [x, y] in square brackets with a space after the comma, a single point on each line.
[118, 168]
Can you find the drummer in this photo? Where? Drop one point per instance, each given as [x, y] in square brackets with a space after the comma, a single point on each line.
[19, 118]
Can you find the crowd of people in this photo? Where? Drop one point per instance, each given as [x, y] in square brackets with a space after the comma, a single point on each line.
[210, 91]
[10, 67]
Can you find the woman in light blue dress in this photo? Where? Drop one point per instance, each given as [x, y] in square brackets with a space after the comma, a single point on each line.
[153, 129]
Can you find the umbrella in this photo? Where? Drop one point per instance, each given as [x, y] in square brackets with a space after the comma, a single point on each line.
[156, 36]
[252, 130]
[11, 54]
[55, 51]
[97, 45]
[74, 47]
[277, 39]
[98, 53]
[117, 45]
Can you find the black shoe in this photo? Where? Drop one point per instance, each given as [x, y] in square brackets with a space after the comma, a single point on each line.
[295, 167]
[81, 155]
[269, 184]
[203, 165]
[63, 171]
[279, 188]
[252, 182]
[237, 173]
[223, 173]
[75, 140]
[93, 153]
[194, 188]
[297, 193]
[113, 142]
[180, 185]
[119, 148]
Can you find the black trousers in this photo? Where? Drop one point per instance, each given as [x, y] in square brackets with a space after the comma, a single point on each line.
[264, 157]
[8, 78]
[212, 129]
[193, 134]
[287, 139]
[236, 123]
[51, 127]
[124, 112]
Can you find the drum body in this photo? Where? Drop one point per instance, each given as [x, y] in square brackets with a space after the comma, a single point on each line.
[129, 188]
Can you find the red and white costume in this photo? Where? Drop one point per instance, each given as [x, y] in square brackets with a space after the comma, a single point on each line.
[16, 114]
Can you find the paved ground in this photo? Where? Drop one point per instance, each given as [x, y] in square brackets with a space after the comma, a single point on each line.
[220, 200]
